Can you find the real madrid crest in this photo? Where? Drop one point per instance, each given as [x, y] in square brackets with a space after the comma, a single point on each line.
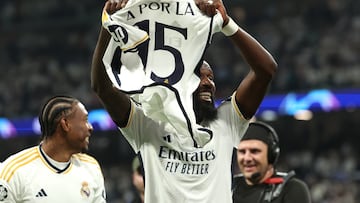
[85, 190]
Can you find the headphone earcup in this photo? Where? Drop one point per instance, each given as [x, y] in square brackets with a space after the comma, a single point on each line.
[274, 148]
[274, 154]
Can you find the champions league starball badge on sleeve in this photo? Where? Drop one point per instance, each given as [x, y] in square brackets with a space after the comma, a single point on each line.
[3, 193]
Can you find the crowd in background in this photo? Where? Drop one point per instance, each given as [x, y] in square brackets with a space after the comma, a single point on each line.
[315, 42]
[46, 49]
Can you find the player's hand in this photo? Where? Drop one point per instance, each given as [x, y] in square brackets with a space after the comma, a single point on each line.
[211, 7]
[111, 6]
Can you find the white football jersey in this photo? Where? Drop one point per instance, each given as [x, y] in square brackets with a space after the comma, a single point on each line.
[178, 34]
[28, 176]
[178, 172]
[155, 55]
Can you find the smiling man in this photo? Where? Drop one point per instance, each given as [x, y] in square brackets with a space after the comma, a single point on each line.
[257, 155]
[58, 169]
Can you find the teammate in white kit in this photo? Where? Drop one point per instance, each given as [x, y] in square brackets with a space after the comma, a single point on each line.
[174, 170]
[57, 170]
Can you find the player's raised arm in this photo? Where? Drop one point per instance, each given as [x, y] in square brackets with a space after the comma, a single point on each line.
[115, 102]
[254, 86]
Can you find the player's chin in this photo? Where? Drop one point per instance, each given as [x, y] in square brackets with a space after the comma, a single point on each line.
[85, 146]
[249, 170]
[247, 174]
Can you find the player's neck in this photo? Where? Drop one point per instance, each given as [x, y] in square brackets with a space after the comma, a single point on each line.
[55, 151]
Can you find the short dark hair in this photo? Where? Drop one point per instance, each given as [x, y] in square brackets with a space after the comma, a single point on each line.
[51, 112]
[261, 131]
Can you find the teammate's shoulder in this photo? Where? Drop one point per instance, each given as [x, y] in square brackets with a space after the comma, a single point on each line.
[18, 160]
[86, 158]
[23, 156]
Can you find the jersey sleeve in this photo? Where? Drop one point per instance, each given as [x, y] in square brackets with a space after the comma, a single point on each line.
[6, 193]
[10, 190]
[236, 124]
[100, 193]
[138, 126]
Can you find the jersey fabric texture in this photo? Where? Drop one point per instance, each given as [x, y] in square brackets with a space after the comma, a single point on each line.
[157, 62]
[176, 171]
[29, 177]
[294, 191]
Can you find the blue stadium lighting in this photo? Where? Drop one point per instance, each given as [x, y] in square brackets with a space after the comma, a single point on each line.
[6, 128]
[315, 100]
[322, 100]
[101, 120]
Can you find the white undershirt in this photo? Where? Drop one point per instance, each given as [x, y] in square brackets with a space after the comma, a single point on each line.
[57, 164]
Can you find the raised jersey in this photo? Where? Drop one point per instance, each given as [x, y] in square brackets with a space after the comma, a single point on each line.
[156, 51]
[177, 32]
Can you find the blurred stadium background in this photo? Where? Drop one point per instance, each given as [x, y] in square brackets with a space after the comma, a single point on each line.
[46, 49]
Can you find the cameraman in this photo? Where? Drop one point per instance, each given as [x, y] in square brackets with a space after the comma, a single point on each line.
[259, 182]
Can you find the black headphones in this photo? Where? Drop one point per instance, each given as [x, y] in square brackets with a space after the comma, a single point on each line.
[273, 148]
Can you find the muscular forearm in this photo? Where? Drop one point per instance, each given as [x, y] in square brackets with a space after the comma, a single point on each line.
[259, 59]
[98, 80]
[254, 86]
[116, 102]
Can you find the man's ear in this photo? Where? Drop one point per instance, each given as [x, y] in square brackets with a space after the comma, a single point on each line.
[64, 124]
